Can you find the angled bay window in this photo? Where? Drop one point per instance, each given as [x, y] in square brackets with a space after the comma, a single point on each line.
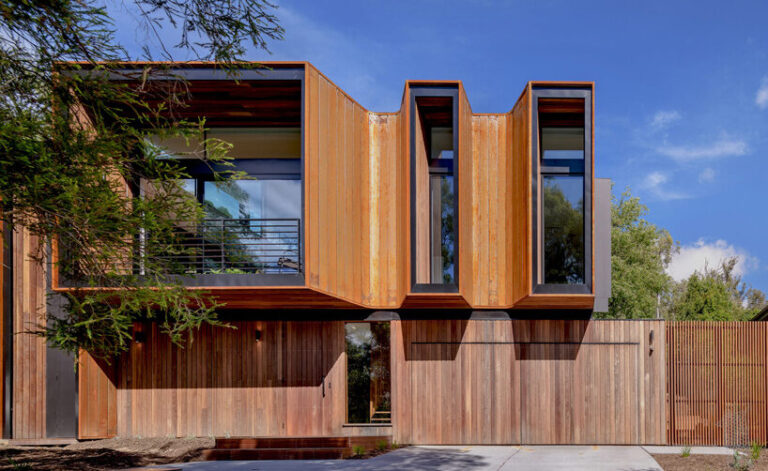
[562, 173]
[434, 189]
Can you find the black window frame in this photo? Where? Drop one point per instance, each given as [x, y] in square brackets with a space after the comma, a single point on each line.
[448, 91]
[204, 170]
[564, 167]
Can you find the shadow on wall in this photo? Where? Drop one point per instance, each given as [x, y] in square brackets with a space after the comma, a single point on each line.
[431, 340]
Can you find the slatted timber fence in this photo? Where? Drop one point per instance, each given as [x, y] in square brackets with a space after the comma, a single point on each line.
[717, 384]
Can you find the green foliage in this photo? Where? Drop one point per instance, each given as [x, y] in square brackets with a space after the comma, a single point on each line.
[742, 461]
[72, 141]
[640, 287]
[754, 451]
[19, 466]
[382, 445]
[640, 253]
[717, 294]
[358, 450]
[686, 451]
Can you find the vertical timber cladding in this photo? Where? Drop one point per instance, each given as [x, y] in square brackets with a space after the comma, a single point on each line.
[257, 379]
[29, 351]
[531, 382]
[353, 194]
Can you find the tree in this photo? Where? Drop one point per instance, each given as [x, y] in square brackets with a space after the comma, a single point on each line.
[640, 254]
[715, 294]
[72, 141]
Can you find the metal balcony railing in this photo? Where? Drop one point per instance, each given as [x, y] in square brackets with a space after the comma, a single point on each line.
[239, 246]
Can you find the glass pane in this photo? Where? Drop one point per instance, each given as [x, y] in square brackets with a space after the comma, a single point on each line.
[176, 147]
[253, 199]
[563, 229]
[562, 143]
[441, 229]
[441, 143]
[253, 226]
[368, 377]
[189, 185]
[261, 143]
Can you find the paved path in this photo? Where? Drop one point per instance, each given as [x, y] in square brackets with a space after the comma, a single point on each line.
[470, 458]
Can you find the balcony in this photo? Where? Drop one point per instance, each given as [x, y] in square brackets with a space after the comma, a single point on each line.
[237, 252]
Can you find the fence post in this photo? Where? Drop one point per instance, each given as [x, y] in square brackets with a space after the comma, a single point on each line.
[719, 369]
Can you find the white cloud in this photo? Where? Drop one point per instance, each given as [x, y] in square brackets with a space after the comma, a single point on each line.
[761, 99]
[723, 147]
[351, 62]
[707, 175]
[655, 182]
[700, 254]
[663, 119]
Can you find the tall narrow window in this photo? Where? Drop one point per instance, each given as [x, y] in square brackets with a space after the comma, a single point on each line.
[434, 189]
[368, 376]
[563, 208]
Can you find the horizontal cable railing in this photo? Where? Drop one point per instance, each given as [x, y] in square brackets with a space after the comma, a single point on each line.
[238, 246]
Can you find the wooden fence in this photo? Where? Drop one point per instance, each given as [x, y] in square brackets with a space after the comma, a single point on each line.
[717, 384]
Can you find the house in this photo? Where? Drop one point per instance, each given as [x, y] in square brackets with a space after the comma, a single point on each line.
[427, 274]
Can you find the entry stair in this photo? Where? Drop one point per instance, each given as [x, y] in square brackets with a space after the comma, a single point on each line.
[294, 448]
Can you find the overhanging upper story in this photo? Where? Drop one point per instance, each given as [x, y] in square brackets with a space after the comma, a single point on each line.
[431, 206]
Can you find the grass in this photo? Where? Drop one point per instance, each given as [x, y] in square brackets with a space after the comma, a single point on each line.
[686, 451]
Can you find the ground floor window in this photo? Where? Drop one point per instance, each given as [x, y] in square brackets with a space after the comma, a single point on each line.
[368, 376]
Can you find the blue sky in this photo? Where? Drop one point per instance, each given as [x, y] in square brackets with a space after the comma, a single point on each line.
[681, 91]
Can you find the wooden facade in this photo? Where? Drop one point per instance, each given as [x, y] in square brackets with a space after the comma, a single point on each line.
[453, 382]
[357, 216]
[530, 382]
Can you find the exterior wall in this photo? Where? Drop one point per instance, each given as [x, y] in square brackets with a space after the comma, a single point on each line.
[458, 381]
[352, 198]
[29, 352]
[291, 382]
[530, 382]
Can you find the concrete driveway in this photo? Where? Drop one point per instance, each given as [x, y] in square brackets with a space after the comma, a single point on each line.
[456, 458]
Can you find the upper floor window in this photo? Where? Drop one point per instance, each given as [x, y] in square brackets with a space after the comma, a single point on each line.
[252, 225]
[434, 189]
[562, 168]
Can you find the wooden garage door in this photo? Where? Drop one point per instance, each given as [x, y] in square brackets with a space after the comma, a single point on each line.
[583, 393]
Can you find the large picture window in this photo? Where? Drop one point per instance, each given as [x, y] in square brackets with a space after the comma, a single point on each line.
[562, 170]
[252, 225]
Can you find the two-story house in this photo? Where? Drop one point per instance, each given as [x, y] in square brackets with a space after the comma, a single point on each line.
[426, 274]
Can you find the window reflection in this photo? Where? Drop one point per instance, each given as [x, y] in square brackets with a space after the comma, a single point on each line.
[253, 199]
[562, 143]
[368, 374]
[563, 229]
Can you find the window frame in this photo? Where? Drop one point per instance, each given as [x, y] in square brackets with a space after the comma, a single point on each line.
[564, 167]
[448, 91]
